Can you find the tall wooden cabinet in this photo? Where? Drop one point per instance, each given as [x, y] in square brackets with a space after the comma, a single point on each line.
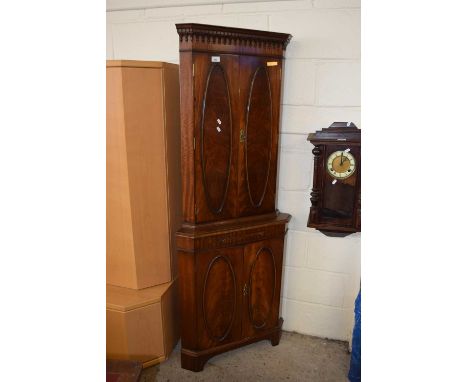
[230, 246]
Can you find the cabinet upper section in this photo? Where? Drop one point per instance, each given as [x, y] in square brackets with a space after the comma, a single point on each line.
[213, 38]
[230, 97]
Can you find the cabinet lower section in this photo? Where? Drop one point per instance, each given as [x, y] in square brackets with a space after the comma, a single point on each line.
[229, 287]
[195, 360]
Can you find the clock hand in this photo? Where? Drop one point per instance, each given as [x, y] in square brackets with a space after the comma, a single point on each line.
[341, 161]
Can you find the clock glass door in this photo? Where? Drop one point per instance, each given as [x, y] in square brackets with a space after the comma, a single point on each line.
[339, 188]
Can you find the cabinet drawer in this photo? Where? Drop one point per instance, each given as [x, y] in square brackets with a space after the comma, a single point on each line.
[190, 242]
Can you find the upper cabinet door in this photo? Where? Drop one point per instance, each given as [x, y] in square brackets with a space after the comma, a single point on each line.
[260, 95]
[216, 146]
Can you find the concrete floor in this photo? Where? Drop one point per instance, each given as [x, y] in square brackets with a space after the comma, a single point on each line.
[296, 358]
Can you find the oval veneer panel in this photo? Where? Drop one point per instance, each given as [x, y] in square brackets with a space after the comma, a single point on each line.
[219, 298]
[216, 143]
[262, 287]
[258, 136]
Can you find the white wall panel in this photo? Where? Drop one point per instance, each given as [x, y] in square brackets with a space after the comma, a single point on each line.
[296, 249]
[316, 320]
[318, 287]
[109, 42]
[267, 6]
[308, 119]
[320, 33]
[339, 84]
[257, 21]
[337, 3]
[156, 41]
[329, 254]
[299, 82]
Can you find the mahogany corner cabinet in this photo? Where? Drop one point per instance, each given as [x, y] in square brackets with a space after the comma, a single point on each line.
[230, 245]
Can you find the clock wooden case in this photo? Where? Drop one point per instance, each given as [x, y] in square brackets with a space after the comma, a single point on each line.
[336, 191]
[230, 246]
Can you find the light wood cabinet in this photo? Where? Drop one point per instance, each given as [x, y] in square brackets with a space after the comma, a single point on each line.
[142, 325]
[143, 172]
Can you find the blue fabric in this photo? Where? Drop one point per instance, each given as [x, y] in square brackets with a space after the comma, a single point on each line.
[354, 374]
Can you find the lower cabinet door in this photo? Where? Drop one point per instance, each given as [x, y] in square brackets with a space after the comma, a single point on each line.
[263, 263]
[219, 284]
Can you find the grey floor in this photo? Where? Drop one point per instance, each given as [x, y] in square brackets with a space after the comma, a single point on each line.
[296, 358]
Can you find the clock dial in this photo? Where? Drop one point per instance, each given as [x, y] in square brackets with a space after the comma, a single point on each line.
[341, 164]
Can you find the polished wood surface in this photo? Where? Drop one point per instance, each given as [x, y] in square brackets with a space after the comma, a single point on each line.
[216, 139]
[195, 360]
[227, 40]
[260, 96]
[231, 233]
[143, 167]
[230, 245]
[216, 161]
[230, 109]
[262, 274]
[219, 284]
[336, 203]
[230, 292]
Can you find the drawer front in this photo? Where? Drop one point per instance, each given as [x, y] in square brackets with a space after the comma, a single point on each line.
[229, 238]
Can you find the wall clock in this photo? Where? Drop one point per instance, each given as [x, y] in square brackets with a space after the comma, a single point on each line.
[336, 191]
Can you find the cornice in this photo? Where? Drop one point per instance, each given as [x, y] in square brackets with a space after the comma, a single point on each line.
[337, 131]
[213, 34]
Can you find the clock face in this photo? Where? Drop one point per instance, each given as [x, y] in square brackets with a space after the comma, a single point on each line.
[341, 164]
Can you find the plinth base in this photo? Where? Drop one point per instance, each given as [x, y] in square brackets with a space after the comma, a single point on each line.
[196, 360]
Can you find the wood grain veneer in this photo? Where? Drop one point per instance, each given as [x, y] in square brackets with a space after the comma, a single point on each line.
[230, 245]
[143, 172]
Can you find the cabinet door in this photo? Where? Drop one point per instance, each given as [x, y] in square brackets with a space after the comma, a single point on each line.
[263, 263]
[339, 198]
[260, 95]
[219, 281]
[216, 142]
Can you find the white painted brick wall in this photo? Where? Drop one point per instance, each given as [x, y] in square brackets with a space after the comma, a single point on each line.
[321, 85]
[338, 84]
[320, 33]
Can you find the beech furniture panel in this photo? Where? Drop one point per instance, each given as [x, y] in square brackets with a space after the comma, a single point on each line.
[143, 172]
